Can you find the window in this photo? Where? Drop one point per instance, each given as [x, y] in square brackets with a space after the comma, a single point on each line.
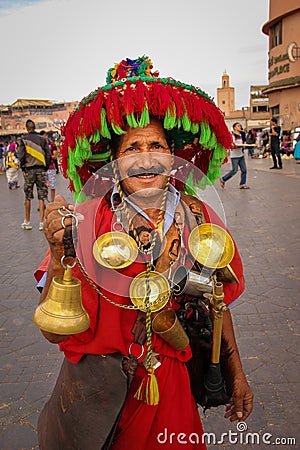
[275, 111]
[276, 34]
[223, 102]
[256, 109]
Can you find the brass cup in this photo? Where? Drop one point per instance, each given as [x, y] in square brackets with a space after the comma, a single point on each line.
[168, 327]
[211, 246]
[115, 250]
[159, 291]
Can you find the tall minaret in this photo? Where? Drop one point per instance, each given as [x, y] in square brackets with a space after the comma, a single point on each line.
[225, 96]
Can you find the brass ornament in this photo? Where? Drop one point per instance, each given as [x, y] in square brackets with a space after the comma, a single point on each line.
[227, 275]
[62, 311]
[159, 291]
[168, 327]
[115, 250]
[211, 246]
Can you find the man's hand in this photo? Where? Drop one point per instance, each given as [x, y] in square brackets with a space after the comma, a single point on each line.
[53, 226]
[241, 403]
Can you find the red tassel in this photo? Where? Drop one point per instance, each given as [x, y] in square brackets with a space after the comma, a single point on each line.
[114, 108]
[128, 103]
[141, 96]
[159, 100]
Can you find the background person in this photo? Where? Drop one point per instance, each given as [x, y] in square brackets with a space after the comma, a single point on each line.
[12, 165]
[237, 158]
[297, 150]
[51, 172]
[34, 155]
[274, 134]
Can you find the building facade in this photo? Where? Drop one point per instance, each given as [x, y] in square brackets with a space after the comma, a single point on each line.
[255, 116]
[283, 90]
[47, 116]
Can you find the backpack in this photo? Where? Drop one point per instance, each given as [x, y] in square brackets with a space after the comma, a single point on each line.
[250, 139]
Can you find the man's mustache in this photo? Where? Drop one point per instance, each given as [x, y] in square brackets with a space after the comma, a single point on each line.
[154, 170]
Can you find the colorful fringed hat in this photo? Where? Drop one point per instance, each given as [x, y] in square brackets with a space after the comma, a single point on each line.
[132, 95]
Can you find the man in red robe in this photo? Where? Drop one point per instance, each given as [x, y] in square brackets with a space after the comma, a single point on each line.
[141, 123]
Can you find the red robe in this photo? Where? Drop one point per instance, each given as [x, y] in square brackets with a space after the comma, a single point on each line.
[146, 427]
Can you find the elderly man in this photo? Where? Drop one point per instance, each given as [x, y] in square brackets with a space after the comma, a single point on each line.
[140, 132]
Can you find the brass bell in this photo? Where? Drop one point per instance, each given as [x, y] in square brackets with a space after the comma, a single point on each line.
[62, 311]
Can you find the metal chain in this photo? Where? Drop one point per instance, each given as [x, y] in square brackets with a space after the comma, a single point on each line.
[119, 305]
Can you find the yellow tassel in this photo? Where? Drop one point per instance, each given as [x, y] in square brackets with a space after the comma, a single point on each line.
[139, 393]
[150, 392]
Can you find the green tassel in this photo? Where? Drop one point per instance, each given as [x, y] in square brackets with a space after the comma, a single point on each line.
[189, 187]
[131, 121]
[100, 156]
[145, 118]
[186, 123]
[116, 129]
[77, 183]
[170, 120]
[81, 197]
[104, 128]
[96, 137]
[211, 143]
[205, 133]
[194, 128]
[71, 171]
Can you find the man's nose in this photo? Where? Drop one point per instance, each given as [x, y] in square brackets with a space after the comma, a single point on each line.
[146, 159]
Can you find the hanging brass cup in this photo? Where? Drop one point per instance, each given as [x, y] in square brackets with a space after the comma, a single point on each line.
[159, 291]
[168, 327]
[62, 311]
[115, 250]
[211, 246]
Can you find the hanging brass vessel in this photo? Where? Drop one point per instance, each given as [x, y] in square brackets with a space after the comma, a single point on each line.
[159, 291]
[211, 246]
[115, 250]
[62, 311]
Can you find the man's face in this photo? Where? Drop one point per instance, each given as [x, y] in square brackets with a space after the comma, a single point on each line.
[144, 160]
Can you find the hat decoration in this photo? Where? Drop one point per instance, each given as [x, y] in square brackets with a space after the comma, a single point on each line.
[133, 94]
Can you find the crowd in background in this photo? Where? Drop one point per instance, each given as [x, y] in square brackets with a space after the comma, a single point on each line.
[258, 141]
[10, 164]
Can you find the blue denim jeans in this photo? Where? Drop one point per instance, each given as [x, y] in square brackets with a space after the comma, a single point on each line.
[236, 163]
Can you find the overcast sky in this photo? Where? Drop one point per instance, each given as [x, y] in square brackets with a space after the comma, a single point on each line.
[61, 49]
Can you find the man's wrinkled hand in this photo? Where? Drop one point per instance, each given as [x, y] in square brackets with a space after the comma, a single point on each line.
[53, 225]
[241, 403]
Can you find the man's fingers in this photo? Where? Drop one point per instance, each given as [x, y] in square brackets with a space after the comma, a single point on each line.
[238, 400]
[55, 206]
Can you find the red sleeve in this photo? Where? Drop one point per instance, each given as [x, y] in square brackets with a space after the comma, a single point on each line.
[43, 267]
